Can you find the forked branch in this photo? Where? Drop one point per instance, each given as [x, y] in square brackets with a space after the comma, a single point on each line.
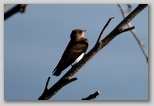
[68, 77]
[141, 44]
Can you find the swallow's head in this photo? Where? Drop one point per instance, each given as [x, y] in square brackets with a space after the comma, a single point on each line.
[77, 34]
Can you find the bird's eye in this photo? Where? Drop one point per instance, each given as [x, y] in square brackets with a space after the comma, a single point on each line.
[80, 32]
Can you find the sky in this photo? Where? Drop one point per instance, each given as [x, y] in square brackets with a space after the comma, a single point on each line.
[34, 42]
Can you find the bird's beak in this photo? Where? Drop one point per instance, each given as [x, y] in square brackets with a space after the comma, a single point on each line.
[84, 30]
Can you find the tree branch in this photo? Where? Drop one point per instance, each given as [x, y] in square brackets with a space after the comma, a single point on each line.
[116, 31]
[141, 44]
[100, 36]
[45, 89]
[128, 29]
[92, 96]
[18, 8]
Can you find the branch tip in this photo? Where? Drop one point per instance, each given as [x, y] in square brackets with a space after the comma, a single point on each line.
[72, 79]
[23, 8]
[111, 18]
[92, 96]
[100, 36]
[128, 29]
[47, 83]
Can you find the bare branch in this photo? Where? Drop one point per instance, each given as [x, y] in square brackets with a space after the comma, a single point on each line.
[141, 44]
[116, 31]
[45, 90]
[92, 96]
[55, 88]
[47, 83]
[100, 36]
[18, 8]
[128, 29]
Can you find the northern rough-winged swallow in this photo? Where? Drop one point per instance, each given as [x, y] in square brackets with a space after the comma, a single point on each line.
[74, 51]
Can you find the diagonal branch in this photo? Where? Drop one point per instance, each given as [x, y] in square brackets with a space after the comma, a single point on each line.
[18, 8]
[61, 83]
[92, 96]
[141, 44]
[116, 31]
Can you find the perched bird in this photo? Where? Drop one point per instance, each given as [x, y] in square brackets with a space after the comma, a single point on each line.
[74, 51]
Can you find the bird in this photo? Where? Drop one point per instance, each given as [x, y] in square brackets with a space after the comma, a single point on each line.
[74, 51]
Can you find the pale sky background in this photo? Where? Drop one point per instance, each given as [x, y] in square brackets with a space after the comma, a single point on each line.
[34, 42]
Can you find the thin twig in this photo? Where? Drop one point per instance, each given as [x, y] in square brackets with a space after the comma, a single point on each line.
[47, 83]
[128, 29]
[100, 36]
[141, 44]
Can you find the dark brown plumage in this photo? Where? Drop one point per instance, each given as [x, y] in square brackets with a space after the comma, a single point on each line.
[77, 45]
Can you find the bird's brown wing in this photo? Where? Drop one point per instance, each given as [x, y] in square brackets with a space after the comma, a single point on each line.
[71, 53]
